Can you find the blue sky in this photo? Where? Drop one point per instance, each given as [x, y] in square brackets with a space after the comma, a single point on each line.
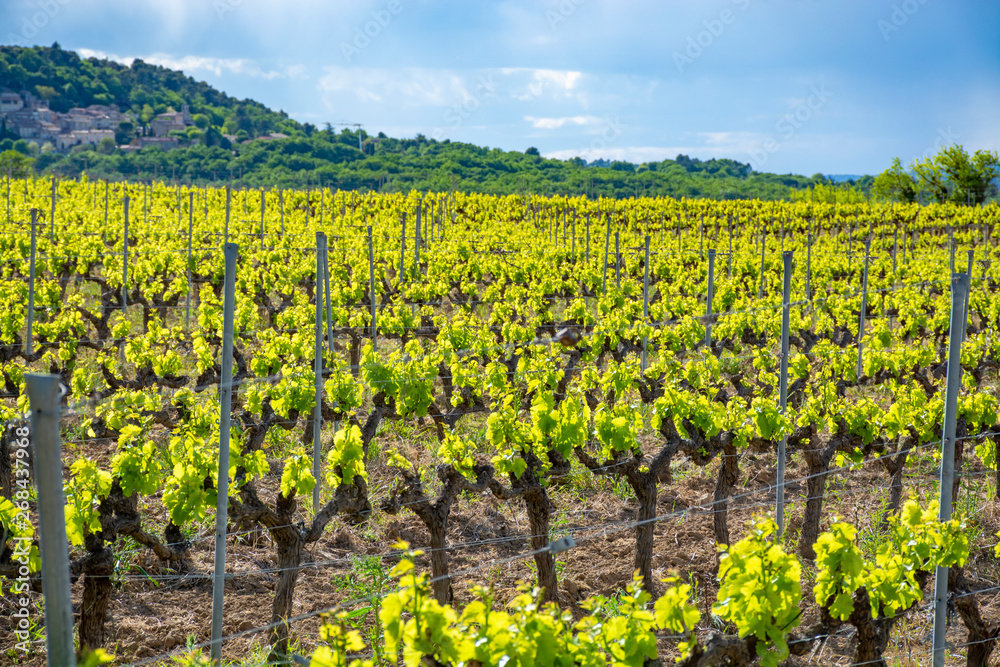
[804, 86]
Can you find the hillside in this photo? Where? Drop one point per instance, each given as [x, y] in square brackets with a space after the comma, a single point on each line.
[225, 139]
[65, 80]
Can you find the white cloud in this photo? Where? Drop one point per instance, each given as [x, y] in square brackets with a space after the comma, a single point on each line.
[728, 144]
[543, 82]
[190, 64]
[217, 66]
[101, 55]
[556, 123]
[706, 145]
[560, 79]
[297, 72]
[406, 86]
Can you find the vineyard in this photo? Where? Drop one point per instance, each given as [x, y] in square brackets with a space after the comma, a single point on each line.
[459, 429]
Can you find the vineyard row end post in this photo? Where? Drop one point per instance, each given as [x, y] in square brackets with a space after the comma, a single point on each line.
[786, 292]
[187, 304]
[607, 241]
[125, 257]
[709, 297]
[52, 217]
[416, 243]
[106, 188]
[229, 201]
[809, 253]
[763, 246]
[371, 285]
[318, 366]
[43, 394]
[953, 384]
[402, 249]
[30, 315]
[968, 299]
[861, 317]
[618, 260]
[225, 416]
[645, 304]
[326, 295]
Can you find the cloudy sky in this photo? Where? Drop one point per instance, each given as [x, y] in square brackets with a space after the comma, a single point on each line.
[801, 86]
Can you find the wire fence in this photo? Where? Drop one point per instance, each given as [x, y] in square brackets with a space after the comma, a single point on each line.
[591, 533]
[87, 406]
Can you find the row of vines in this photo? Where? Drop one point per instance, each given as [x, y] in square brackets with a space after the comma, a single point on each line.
[536, 340]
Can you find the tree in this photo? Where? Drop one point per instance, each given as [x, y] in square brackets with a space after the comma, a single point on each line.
[954, 175]
[47, 93]
[972, 177]
[125, 132]
[895, 183]
[18, 164]
[5, 132]
[930, 179]
[214, 138]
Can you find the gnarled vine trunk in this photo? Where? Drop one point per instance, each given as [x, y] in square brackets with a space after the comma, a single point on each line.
[983, 635]
[435, 514]
[539, 508]
[818, 460]
[290, 539]
[872, 633]
[645, 492]
[96, 567]
[893, 464]
[728, 475]
[289, 543]
[644, 483]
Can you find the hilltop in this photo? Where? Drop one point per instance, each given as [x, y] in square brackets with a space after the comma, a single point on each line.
[146, 121]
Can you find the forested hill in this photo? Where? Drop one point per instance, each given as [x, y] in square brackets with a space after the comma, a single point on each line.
[231, 139]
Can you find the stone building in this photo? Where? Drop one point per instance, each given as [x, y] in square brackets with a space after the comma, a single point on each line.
[163, 124]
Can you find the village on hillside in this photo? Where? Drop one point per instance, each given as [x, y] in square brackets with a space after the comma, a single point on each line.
[29, 117]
